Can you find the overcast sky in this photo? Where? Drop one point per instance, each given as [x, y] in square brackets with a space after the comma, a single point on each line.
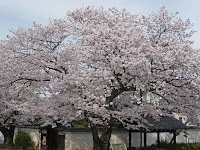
[22, 13]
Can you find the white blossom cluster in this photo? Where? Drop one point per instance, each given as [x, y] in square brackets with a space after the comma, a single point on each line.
[94, 64]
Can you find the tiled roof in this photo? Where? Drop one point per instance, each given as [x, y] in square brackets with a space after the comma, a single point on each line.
[165, 123]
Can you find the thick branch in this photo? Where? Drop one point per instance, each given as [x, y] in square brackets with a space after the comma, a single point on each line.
[11, 115]
[29, 79]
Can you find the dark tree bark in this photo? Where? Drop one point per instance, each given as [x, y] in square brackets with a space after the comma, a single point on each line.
[103, 142]
[175, 135]
[8, 134]
[97, 144]
[52, 135]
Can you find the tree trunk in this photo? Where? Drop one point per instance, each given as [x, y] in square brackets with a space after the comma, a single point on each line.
[175, 135]
[8, 134]
[52, 135]
[102, 143]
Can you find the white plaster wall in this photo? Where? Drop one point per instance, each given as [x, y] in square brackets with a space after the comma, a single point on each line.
[151, 139]
[1, 138]
[194, 136]
[78, 141]
[84, 141]
[184, 118]
[119, 137]
[34, 134]
[135, 139]
[166, 136]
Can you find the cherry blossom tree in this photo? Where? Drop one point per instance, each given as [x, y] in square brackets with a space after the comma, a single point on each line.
[96, 64]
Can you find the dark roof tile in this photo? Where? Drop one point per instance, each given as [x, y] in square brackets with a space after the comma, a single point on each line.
[165, 123]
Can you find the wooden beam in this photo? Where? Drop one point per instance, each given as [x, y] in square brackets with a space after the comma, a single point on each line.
[140, 139]
[158, 139]
[130, 139]
[174, 140]
[145, 139]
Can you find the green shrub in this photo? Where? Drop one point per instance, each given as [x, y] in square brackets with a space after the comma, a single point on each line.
[194, 146]
[24, 140]
[179, 146]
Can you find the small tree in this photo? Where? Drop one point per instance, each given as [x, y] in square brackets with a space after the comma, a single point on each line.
[24, 140]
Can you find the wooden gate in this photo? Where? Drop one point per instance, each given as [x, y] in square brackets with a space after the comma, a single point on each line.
[61, 142]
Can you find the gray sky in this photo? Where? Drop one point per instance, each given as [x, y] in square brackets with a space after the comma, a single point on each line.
[22, 13]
